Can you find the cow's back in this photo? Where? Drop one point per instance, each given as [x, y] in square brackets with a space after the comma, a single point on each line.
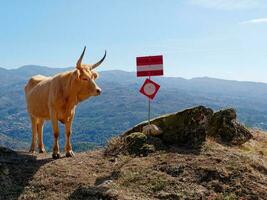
[36, 92]
[33, 82]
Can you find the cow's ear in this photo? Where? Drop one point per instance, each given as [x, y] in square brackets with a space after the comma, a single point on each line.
[95, 74]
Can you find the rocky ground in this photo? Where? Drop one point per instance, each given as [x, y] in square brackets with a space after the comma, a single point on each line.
[137, 166]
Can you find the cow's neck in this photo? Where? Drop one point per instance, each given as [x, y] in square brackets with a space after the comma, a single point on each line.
[70, 92]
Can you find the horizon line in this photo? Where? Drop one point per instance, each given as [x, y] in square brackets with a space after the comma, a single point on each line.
[164, 76]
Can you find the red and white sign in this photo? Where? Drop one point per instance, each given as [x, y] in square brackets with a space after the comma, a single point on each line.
[149, 65]
[150, 88]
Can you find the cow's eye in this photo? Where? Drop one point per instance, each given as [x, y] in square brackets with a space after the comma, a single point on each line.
[85, 79]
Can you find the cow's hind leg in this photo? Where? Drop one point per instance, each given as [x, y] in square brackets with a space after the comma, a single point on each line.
[40, 136]
[54, 121]
[68, 147]
[34, 133]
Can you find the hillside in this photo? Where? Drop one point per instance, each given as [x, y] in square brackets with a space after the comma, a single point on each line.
[6, 141]
[209, 167]
[163, 175]
[121, 106]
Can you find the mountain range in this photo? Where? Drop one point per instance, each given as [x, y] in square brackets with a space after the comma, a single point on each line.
[121, 105]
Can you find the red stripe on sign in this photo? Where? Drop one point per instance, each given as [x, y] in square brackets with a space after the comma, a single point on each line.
[149, 60]
[150, 73]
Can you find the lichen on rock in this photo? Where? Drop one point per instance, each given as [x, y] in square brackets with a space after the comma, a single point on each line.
[186, 128]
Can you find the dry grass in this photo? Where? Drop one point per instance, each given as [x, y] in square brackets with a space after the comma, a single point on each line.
[114, 146]
[214, 172]
[257, 145]
[145, 180]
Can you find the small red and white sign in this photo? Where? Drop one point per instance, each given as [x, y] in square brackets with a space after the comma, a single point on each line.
[150, 88]
[149, 65]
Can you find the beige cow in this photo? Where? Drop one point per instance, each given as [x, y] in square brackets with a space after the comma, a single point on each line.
[55, 98]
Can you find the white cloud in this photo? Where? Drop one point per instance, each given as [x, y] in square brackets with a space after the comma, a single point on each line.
[256, 21]
[228, 4]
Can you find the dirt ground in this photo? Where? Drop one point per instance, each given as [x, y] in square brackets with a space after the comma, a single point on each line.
[212, 172]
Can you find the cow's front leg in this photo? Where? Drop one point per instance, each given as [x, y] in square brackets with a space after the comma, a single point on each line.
[34, 133]
[54, 121]
[40, 136]
[68, 147]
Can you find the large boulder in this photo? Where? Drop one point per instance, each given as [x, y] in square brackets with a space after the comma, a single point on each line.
[186, 128]
[224, 128]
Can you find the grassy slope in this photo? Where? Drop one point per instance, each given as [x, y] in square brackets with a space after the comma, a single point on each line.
[215, 171]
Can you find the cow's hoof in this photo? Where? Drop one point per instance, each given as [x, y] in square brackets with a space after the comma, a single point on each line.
[31, 151]
[42, 151]
[56, 155]
[70, 154]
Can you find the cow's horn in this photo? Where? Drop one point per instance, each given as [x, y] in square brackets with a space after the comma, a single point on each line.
[79, 62]
[99, 62]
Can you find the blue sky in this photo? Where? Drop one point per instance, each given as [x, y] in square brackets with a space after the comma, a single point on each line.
[216, 38]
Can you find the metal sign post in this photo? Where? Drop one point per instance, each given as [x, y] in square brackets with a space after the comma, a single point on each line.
[149, 109]
[149, 66]
[149, 89]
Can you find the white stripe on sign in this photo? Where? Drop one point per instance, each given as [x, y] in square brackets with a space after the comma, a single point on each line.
[149, 68]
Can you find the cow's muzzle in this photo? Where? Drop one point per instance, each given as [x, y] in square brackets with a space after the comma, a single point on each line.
[98, 91]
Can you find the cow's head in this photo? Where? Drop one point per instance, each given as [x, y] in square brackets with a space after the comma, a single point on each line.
[86, 77]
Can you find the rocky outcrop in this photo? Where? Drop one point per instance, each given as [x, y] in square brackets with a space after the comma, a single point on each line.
[225, 129]
[188, 128]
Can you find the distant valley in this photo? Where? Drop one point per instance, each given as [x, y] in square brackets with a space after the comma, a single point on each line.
[121, 106]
